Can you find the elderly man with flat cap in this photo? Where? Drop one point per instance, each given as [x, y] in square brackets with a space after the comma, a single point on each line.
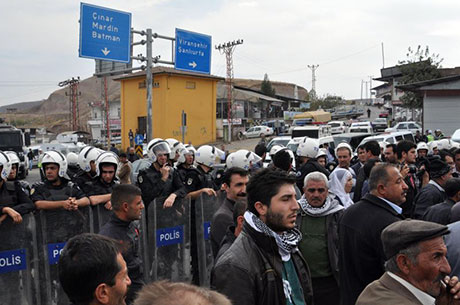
[417, 267]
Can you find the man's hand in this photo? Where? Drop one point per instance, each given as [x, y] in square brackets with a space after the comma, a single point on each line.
[108, 205]
[73, 203]
[450, 291]
[17, 218]
[404, 170]
[67, 205]
[164, 170]
[169, 201]
[209, 191]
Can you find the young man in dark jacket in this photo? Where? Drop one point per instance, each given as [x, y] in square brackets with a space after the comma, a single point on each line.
[264, 265]
[361, 256]
[123, 226]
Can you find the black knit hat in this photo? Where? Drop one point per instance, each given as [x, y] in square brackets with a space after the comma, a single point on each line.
[438, 168]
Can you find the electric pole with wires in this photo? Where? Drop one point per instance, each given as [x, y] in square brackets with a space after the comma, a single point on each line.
[73, 95]
[227, 48]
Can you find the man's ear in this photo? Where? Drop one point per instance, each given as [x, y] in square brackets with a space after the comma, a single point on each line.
[381, 189]
[404, 263]
[261, 208]
[101, 293]
[124, 207]
[225, 187]
[239, 221]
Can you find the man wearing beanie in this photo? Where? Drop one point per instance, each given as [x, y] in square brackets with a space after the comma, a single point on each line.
[433, 192]
[441, 212]
[417, 267]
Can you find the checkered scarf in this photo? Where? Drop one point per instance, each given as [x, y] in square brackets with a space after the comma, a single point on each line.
[287, 241]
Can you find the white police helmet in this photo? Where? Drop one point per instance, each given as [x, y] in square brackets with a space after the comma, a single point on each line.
[58, 158]
[207, 155]
[242, 158]
[5, 162]
[156, 147]
[182, 155]
[107, 157]
[422, 145]
[175, 146]
[13, 156]
[190, 148]
[444, 144]
[308, 148]
[274, 150]
[72, 158]
[432, 146]
[86, 155]
[321, 153]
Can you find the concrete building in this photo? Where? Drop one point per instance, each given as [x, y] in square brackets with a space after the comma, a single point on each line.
[174, 91]
[441, 102]
[97, 122]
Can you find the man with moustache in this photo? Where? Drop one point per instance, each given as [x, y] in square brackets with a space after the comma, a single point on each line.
[235, 180]
[361, 254]
[92, 271]
[264, 265]
[123, 226]
[416, 268]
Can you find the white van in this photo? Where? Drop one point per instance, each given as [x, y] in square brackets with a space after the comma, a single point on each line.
[312, 131]
[391, 137]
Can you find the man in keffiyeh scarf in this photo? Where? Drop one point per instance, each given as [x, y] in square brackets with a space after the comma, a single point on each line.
[264, 265]
[318, 221]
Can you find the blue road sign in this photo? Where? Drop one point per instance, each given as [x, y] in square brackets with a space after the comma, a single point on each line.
[193, 52]
[105, 33]
[139, 139]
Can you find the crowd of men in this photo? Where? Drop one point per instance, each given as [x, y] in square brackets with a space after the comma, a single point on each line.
[314, 226]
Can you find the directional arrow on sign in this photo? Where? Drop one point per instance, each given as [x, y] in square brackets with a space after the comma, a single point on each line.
[192, 64]
[105, 51]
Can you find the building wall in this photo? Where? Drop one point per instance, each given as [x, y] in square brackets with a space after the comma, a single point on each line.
[441, 112]
[170, 96]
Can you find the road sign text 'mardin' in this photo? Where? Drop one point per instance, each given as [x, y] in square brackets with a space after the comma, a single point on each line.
[98, 25]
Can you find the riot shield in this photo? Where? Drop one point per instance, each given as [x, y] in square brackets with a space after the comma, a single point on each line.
[143, 242]
[168, 244]
[56, 227]
[205, 207]
[100, 216]
[19, 262]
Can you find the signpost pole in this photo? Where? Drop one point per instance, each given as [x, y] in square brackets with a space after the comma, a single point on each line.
[149, 81]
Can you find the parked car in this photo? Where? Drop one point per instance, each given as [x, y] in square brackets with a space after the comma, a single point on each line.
[337, 127]
[258, 131]
[404, 126]
[391, 137]
[379, 124]
[274, 123]
[361, 127]
[312, 131]
[351, 138]
[283, 141]
[384, 114]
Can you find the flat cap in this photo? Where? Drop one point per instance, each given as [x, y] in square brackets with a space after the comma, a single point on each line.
[402, 234]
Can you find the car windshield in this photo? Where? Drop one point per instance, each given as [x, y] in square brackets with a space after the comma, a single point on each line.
[334, 124]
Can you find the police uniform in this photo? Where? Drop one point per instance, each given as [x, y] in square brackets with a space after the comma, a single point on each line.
[81, 179]
[197, 179]
[127, 232]
[182, 171]
[98, 187]
[73, 171]
[152, 186]
[48, 192]
[310, 166]
[13, 196]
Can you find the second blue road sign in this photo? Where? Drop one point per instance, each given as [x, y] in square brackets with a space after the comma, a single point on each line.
[193, 52]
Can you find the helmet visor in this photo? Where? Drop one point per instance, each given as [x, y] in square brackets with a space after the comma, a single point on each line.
[161, 148]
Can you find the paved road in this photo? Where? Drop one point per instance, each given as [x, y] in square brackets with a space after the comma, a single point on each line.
[34, 176]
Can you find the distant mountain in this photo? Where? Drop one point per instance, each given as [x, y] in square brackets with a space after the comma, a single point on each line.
[20, 107]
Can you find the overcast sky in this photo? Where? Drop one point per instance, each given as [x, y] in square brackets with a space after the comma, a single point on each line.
[39, 39]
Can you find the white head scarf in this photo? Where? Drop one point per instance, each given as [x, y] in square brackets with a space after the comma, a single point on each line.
[337, 180]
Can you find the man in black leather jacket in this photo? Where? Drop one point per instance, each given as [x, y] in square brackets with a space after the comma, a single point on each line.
[123, 226]
[263, 265]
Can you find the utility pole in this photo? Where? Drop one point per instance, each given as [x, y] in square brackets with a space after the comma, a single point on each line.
[313, 79]
[227, 48]
[73, 94]
[370, 86]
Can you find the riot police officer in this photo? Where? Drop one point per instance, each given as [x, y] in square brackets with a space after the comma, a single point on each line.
[14, 202]
[200, 179]
[14, 171]
[185, 163]
[176, 148]
[100, 188]
[72, 165]
[306, 152]
[87, 163]
[57, 191]
[160, 179]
